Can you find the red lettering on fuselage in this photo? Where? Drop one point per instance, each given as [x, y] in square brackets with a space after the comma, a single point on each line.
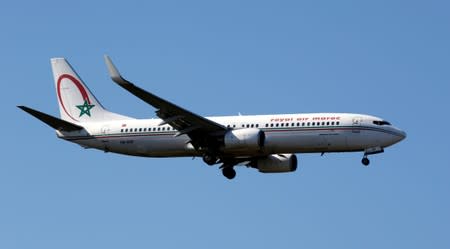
[281, 119]
[325, 118]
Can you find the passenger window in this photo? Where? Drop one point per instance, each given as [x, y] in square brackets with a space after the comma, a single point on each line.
[252, 125]
[271, 125]
[337, 123]
[313, 123]
[267, 125]
[303, 123]
[234, 126]
[309, 123]
[332, 123]
[276, 125]
[121, 130]
[282, 124]
[323, 123]
[140, 129]
[247, 125]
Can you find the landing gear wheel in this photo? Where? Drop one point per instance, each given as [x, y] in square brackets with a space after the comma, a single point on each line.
[209, 159]
[229, 173]
[365, 161]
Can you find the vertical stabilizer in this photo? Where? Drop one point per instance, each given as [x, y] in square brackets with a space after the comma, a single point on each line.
[76, 102]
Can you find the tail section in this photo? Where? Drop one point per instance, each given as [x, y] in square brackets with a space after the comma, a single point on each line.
[76, 102]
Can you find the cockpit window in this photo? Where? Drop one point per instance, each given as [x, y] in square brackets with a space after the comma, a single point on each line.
[382, 122]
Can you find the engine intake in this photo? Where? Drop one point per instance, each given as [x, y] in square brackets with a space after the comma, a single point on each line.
[276, 163]
[244, 139]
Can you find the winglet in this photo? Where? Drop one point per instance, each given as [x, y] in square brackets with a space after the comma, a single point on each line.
[114, 73]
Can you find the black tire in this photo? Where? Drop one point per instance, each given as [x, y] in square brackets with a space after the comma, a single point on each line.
[229, 173]
[365, 161]
[209, 159]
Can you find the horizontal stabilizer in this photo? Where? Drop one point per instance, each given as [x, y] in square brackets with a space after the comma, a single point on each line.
[56, 123]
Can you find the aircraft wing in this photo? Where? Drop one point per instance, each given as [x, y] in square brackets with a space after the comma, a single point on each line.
[203, 132]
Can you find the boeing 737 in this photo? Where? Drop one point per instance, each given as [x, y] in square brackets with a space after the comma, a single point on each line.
[268, 143]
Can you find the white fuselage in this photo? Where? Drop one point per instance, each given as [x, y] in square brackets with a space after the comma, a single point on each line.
[289, 133]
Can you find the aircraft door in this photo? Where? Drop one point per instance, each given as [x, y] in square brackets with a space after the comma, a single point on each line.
[354, 138]
[105, 131]
[356, 123]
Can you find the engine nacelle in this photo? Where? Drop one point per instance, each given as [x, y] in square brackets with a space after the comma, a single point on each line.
[244, 139]
[277, 163]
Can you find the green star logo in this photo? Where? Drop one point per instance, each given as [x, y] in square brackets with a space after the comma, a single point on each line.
[85, 108]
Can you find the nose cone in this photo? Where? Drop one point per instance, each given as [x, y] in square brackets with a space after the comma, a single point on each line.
[403, 134]
[400, 135]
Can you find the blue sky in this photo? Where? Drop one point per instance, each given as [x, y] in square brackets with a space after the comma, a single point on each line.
[386, 58]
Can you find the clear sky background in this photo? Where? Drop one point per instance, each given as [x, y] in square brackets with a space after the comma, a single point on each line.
[385, 58]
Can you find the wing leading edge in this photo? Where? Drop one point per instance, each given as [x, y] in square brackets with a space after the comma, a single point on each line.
[203, 132]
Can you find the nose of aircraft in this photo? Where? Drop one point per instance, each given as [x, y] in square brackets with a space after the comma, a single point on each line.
[401, 135]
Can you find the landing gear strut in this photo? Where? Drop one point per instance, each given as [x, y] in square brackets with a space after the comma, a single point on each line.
[365, 161]
[370, 151]
[229, 172]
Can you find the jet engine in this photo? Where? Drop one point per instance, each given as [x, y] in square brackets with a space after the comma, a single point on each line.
[276, 163]
[251, 139]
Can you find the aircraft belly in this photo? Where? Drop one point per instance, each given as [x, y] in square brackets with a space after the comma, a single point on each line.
[275, 142]
[304, 141]
[151, 146]
[165, 146]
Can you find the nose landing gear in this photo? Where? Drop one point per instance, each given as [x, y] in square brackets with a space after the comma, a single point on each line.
[370, 151]
[365, 161]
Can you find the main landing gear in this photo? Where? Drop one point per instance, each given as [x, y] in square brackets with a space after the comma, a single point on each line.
[227, 168]
[229, 172]
[209, 159]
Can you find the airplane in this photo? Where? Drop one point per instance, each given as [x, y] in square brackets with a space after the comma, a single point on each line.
[268, 143]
